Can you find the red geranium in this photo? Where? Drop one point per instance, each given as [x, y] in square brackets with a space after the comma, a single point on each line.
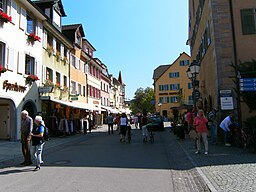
[4, 17]
[32, 78]
[2, 69]
[33, 37]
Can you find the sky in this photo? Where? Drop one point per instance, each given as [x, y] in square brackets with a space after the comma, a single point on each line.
[132, 36]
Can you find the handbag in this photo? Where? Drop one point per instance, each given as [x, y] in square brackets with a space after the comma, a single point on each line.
[192, 134]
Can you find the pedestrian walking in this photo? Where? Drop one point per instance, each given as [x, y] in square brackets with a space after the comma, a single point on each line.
[123, 126]
[26, 129]
[144, 122]
[224, 125]
[201, 129]
[38, 141]
[110, 121]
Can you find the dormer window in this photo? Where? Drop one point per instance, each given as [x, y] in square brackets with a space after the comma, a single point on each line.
[78, 39]
[56, 18]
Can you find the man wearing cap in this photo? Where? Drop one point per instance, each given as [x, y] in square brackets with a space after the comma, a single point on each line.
[25, 129]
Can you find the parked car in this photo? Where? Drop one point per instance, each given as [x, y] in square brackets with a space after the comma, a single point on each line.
[157, 123]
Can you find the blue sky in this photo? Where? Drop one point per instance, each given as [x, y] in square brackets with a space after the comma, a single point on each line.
[132, 36]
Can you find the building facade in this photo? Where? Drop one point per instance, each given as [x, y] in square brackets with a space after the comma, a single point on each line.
[221, 35]
[172, 88]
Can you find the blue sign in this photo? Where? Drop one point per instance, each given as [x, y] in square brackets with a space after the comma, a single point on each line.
[248, 84]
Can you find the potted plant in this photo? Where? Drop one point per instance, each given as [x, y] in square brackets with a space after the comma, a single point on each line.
[57, 55]
[4, 17]
[33, 37]
[49, 50]
[31, 79]
[57, 85]
[65, 60]
[48, 83]
[2, 69]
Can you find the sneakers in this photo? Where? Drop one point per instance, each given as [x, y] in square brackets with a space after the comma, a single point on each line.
[197, 152]
[227, 144]
[206, 152]
[37, 168]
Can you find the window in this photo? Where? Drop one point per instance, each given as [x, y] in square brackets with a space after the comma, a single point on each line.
[3, 5]
[73, 60]
[184, 62]
[30, 65]
[73, 87]
[174, 86]
[79, 89]
[174, 99]
[2, 54]
[57, 78]
[174, 75]
[30, 25]
[65, 81]
[190, 85]
[49, 74]
[248, 18]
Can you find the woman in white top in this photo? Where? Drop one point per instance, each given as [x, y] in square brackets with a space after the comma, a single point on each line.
[123, 126]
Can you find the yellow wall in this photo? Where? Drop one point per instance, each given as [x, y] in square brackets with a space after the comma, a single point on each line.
[165, 79]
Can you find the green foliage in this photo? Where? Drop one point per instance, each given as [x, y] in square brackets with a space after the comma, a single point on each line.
[250, 122]
[142, 101]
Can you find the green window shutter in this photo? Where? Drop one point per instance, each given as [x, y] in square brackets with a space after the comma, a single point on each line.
[248, 21]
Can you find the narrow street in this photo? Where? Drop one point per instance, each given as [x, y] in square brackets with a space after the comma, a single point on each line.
[100, 163]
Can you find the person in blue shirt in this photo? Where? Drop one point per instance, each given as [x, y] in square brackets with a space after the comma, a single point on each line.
[38, 141]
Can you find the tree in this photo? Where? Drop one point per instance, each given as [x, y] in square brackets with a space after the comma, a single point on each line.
[143, 101]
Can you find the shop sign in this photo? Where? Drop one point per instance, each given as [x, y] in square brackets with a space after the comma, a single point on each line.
[47, 89]
[226, 100]
[74, 98]
[45, 98]
[13, 87]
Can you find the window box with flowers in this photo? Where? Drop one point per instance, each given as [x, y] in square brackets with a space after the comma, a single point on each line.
[65, 60]
[2, 69]
[57, 56]
[57, 86]
[5, 18]
[49, 50]
[32, 38]
[48, 83]
[31, 79]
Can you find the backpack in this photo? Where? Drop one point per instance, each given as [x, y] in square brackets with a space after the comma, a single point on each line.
[46, 134]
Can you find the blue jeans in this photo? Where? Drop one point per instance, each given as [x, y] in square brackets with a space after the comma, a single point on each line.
[214, 133]
[226, 135]
[37, 151]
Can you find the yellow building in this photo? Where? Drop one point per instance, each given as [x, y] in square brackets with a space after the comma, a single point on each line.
[173, 89]
[221, 33]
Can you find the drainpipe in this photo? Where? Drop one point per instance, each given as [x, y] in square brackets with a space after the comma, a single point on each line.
[239, 115]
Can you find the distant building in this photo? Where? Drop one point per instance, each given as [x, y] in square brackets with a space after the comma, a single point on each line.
[172, 88]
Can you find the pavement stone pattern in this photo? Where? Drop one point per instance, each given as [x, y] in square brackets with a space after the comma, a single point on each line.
[224, 168]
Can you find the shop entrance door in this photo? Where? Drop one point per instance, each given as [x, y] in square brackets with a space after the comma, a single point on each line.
[4, 122]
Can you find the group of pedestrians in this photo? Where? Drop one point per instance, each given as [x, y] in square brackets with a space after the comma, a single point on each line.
[200, 123]
[29, 133]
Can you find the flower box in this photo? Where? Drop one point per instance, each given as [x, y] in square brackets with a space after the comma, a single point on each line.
[4, 17]
[32, 38]
[31, 78]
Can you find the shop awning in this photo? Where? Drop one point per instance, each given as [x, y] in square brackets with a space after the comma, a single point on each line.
[72, 104]
[110, 109]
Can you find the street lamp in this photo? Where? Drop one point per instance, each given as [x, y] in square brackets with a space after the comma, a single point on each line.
[192, 72]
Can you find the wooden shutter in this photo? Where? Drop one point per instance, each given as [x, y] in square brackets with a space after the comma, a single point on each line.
[13, 11]
[10, 59]
[54, 43]
[44, 38]
[21, 62]
[23, 18]
[62, 51]
[43, 73]
[39, 29]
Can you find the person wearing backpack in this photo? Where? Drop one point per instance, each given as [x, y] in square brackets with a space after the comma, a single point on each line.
[38, 141]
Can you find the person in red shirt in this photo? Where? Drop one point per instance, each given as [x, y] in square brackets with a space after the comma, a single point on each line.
[201, 129]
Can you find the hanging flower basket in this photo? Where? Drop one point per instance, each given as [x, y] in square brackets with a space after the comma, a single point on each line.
[57, 86]
[32, 38]
[4, 17]
[31, 79]
[58, 56]
[48, 83]
[49, 50]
